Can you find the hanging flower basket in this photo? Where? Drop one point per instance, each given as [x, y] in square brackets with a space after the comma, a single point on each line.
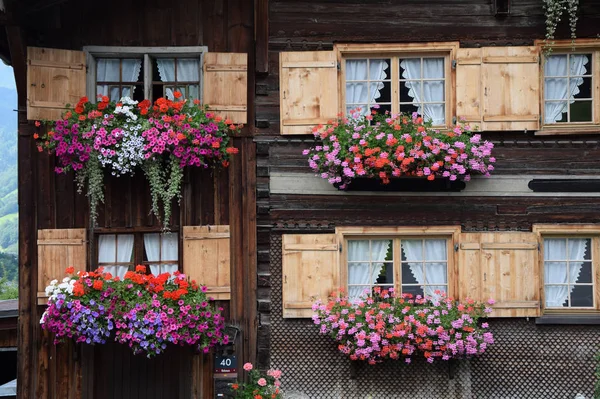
[382, 325]
[143, 311]
[122, 138]
[384, 147]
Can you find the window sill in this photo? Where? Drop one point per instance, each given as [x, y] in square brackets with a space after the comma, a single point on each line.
[568, 131]
[585, 319]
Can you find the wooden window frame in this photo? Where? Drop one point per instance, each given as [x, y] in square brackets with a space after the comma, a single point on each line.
[146, 54]
[450, 233]
[571, 231]
[578, 46]
[394, 52]
[138, 246]
[160, 262]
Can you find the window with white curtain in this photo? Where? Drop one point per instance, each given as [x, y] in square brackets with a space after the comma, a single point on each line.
[568, 88]
[161, 252]
[144, 72]
[417, 266]
[568, 272]
[398, 84]
[115, 253]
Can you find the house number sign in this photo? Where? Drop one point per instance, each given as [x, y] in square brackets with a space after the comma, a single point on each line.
[225, 364]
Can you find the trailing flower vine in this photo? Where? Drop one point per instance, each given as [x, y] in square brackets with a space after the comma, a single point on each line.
[554, 10]
[161, 139]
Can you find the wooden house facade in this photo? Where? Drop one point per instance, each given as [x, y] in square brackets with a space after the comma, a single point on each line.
[276, 235]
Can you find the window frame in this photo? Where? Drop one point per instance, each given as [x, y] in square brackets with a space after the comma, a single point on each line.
[394, 52]
[144, 53]
[449, 233]
[570, 231]
[138, 246]
[579, 46]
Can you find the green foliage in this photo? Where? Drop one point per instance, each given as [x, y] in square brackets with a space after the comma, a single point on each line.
[554, 10]
[8, 287]
[165, 178]
[597, 385]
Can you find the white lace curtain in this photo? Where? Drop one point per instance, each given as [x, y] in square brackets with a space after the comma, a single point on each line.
[556, 255]
[187, 71]
[161, 250]
[433, 275]
[115, 249]
[107, 70]
[426, 91]
[559, 88]
[363, 93]
[360, 276]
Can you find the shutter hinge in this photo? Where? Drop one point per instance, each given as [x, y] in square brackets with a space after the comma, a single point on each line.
[455, 247]
[539, 247]
[454, 62]
[340, 247]
[454, 120]
[339, 66]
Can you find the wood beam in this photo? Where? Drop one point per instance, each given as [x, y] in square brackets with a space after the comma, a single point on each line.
[261, 36]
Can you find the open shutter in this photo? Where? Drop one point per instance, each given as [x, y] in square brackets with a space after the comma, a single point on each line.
[508, 96]
[206, 258]
[57, 250]
[225, 83]
[308, 90]
[55, 78]
[310, 271]
[501, 266]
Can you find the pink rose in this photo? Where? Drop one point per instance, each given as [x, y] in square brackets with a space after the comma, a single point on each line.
[261, 381]
[248, 366]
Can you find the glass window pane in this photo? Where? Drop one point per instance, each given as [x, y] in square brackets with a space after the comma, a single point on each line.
[433, 91]
[433, 68]
[581, 111]
[430, 290]
[166, 69]
[579, 249]
[193, 92]
[580, 64]
[379, 69]
[408, 276]
[380, 92]
[582, 296]
[435, 113]
[581, 87]
[555, 88]
[410, 91]
[359, 273]
[108, 70]
[356, 70]
[436, 250]
[169, 247]
[408, 108]
[555, 273]
[556, 296]
[187, 70]
[413, 250]
[556, 65]
[436, 273]
[357, 93]
[107, 248]
[386, 274]
[585, 272]
[412, 289]
[358, 250]
[410, 68]
[555, 249]
[555, 111]
[381, 250]
[131, 70]
[383, 108]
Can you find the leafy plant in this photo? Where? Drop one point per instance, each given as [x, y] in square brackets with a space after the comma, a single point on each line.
[597, 384]
[554, 10]
[259, 386]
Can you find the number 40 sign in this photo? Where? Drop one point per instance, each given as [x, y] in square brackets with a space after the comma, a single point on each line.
[225, 364]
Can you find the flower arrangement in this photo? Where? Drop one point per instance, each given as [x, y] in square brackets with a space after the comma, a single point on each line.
[383, 325]
[143, 311]
[385, 146]
[554, 10]
[259, 386]
[160, 139]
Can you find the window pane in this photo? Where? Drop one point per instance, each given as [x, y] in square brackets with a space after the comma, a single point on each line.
[410, 91]
[357, 93]
[386, 274]
[578, 249]
[412, 289]
[412, 250]
[556, 295]
[170, 247]
[556, 65]
[555, 249]
[555, 273]
[125, 248]
[410, 68]
[380, 92]
[193, 92]
[107, 248]
[131, 69]
[359, 273]
[435, 113]
[431, 289]
[580, 64]
[381, 250]
[358, 250]
[581, 111]
[433, 68]
[408, 108]
[555, 88]
[436, 250]
[407, 272]
[379, 69]
[383, 108]
[187, 70]
[166, 69]
[555, 111]
[356, 70]
[433, 91]
[582, 296]
[581, 87]
[585, 272]
[436, 273]
[107, 70]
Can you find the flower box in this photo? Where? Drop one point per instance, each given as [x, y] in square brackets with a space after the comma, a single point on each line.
[403, 184]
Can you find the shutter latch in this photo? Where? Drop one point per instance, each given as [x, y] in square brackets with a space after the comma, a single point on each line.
[340, 247]
[339, 66]
[455, 247]
[454, 64]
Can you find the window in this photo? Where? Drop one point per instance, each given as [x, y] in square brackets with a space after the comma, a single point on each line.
[144, 72]
[419, 85]
[568, 273]
[118, 253]
[568, 83]
[417, 266]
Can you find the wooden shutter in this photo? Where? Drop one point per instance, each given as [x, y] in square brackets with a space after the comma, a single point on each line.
[308, 90]
[206, 258]
[508, 94]
[226, 85]
[310, 271]
[501, 266]
[55, 78]
[57, 250]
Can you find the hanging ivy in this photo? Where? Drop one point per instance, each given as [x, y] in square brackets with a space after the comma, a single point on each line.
[554, 10]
